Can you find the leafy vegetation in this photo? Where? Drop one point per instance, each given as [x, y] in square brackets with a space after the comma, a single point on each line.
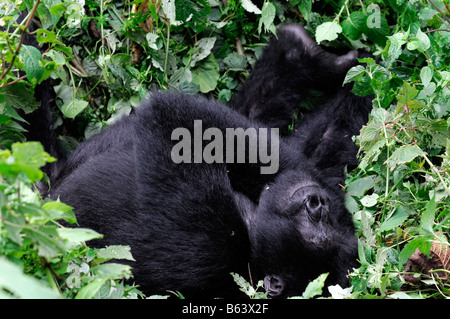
[104, 56]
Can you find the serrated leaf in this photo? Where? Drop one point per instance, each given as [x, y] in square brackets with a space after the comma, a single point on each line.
[20, 96]
[31, 59]
[206, 74]
[314, 288]
[421, 243]
[115, 252]
[420, 42]
[354, 25]
[403, 154]
[250, 7]
[328, 31]
[358, 187]
[76, 235]
[267, 18]
[354, 73]
[168, 7]
[202, 49]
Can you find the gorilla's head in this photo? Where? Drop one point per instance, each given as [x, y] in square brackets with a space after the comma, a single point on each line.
[299, 230]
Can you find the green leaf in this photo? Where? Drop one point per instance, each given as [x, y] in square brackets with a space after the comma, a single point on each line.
[397, 218]
[354, 73]
[206, 74]
[354, 25]
[426, 74]
[202, 49]
[369, 200]
[421, 243]
[46, 36]
[420, 42]
[305, 7]
[115, 252]
[328, 31]
[21, 97]
[403, 154]
[235, 62]
[427, 218]
[32, 64]
[19, 285]
[78, 234]
[358, 187]
[73, 108]
[250, 7]
[267, 18]
[315, 287]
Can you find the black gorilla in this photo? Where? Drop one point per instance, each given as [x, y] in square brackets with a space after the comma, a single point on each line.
[189, 225]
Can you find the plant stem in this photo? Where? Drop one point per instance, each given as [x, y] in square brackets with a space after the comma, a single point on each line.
[167, 51]
[22, 37]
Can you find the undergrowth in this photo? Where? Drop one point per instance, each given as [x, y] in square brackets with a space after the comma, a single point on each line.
[104, 56]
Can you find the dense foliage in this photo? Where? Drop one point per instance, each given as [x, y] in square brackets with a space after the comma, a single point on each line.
[103, 56]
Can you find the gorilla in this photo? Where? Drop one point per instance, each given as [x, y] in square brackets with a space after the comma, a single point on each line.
[190, 224]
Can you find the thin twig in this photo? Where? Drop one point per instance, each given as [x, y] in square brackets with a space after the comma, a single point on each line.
[22, 37]
[443, 14]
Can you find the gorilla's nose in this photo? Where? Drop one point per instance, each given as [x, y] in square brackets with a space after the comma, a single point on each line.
[317, 207]
[314, 201]
[274, 285]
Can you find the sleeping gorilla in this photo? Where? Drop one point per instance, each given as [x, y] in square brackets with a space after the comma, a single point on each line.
[189, 225]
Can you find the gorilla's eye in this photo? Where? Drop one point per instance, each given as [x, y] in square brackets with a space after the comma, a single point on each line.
[313, 202]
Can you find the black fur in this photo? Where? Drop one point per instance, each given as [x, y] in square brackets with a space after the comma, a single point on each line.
[190, 225]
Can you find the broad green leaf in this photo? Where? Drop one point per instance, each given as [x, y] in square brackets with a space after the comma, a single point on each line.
[46, 36]
[267, 18]
[354, 73]
[168, 7]
[19, 96]
[314, 288]
[420, 42]
[369, 200]
[403, 154]
[206, 74]
[399, 216]
[426, 74]
[202, 49]
[30, 154]
[73, 108]
[358, 187]
[427, 218]
[78, 234]
[235, 62]
[305, 7]
[354, 25]
[328, 31]
[115, 252]
[250, 7]
[13, 280]
[376, 27]
[421, 243]
[32, 64]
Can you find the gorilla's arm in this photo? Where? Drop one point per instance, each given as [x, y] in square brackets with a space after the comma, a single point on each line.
[291, 65]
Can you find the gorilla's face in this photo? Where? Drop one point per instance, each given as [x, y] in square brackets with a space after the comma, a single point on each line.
[300, 230]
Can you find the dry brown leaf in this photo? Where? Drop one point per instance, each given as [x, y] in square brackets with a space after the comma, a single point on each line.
[437, 263]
